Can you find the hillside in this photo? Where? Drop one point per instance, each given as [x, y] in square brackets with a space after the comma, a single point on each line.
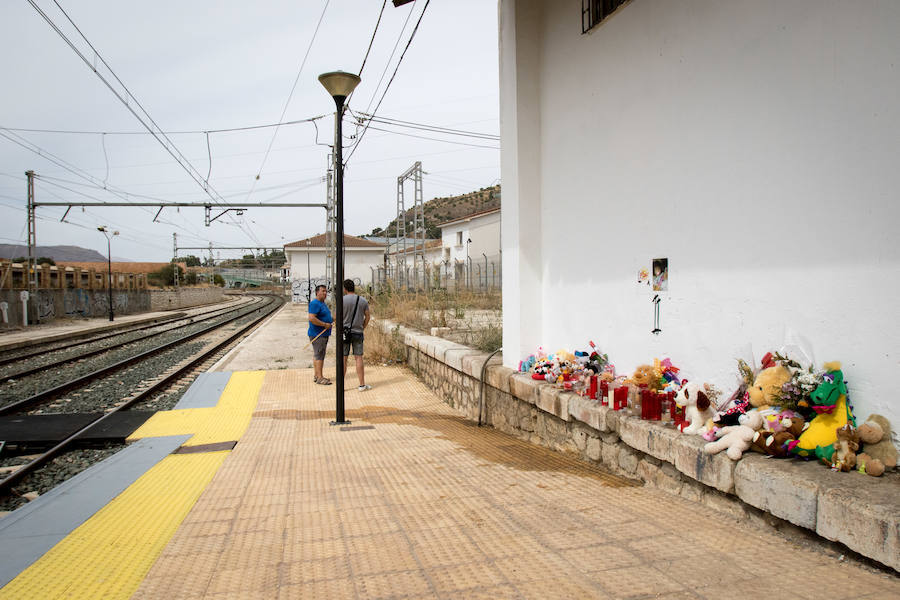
[440, 210]
[57, 253]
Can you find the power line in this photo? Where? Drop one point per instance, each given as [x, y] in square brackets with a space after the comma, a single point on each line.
[154, 130]
[291, 95]
[422, 137]
[369, 49]
[175, 132]
[427, 127]
[390, 81]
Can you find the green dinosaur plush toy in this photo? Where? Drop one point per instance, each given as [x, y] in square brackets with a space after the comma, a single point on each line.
[834, 411]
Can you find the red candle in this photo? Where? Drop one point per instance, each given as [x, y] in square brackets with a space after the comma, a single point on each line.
[646, 404]
[604, 392]
[621, 397]
[592, 393]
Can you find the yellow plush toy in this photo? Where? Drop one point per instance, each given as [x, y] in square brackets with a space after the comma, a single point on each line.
[766, 388]
[830, 402]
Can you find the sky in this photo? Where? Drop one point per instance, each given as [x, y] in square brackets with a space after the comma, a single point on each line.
[197, 67]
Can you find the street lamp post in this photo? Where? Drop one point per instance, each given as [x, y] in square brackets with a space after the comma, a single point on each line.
[109, 235]
[339, 85]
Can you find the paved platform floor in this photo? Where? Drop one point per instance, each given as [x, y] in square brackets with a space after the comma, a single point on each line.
[411, 501]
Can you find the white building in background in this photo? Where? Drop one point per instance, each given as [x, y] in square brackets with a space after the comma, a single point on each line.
[306, 262]
[475, 236]
[751, 143]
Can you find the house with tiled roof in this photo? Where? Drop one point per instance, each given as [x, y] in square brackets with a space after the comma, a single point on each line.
[306, 262]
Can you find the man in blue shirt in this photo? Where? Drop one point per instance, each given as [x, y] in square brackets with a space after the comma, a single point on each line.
[320, 323]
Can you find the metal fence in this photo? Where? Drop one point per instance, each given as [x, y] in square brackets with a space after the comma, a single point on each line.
[477, 275]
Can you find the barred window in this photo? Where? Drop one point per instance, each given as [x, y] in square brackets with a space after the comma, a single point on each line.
[594, 11]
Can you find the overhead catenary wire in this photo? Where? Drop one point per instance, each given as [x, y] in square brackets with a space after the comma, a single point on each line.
[390, 81]
[290, 95]
[130, 102]
[372, 40]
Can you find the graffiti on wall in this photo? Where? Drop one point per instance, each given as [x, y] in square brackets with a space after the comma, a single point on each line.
[77, 303]
[45, 306]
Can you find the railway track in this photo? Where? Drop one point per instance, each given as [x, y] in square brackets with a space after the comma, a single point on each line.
[123, 385]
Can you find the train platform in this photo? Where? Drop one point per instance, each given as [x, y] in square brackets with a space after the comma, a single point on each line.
[246, 490]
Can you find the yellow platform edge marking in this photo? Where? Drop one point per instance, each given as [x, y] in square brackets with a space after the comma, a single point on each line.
[109, 555]
[225, 422]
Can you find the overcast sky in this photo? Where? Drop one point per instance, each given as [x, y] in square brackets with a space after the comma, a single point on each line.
[201, 66]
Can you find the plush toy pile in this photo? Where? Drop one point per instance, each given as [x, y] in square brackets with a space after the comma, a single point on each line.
[781, 409]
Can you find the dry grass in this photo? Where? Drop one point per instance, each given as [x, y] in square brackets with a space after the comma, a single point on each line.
[424, 311]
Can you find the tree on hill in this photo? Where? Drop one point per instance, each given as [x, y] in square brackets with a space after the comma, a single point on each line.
[41, 260]
[190, 260]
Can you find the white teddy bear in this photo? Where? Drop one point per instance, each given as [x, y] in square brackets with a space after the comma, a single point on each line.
[736, 438]
[699, 407]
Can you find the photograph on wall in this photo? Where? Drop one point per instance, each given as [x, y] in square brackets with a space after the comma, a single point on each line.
[660, 274]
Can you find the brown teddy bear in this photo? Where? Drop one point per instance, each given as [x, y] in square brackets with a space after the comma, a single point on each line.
[875, 435]
[645, 375]
[766, 388]
[867, 465]
[844, 456]
[777, 443]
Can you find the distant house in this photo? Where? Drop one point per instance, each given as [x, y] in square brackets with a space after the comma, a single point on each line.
[474, 237]
[306, 262]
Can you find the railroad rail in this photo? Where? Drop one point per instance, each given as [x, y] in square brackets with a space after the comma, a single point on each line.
[135, 398]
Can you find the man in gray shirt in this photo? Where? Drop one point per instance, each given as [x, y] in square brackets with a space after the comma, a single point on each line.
[356, 318]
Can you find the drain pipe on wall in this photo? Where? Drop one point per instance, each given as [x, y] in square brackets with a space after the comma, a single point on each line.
[483, 369]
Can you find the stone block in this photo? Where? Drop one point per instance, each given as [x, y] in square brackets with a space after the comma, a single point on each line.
[715, 470]
[553, 401]
[454, 354]
[613, 417]
[864, 514]
[628, 460]
[593, 448]
[524, 388]
[610, 454]
[588, 412]
[649, 437]
[498, 377]
[647, 472]
[669, 479]
[788, 489]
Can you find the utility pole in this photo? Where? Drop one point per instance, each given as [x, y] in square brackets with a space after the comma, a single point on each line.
[31, 267]
[174, 256]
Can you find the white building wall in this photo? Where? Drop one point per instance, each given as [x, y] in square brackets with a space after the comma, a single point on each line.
[484, 231]
[358, 263]
[752, 143]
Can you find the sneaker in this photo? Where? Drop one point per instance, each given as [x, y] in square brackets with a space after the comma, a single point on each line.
[363, 388]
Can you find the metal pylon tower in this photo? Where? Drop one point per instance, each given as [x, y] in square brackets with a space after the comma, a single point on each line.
[418, 219]
[330, 227]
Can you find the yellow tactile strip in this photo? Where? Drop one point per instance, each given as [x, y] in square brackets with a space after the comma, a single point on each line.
[224, 422]
[426, 505]
[109, 554]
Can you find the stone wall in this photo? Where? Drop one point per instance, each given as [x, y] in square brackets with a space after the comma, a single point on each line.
[185, 297]
[48, 305]
[860, 512]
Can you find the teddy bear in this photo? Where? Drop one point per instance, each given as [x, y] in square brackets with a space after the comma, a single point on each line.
[875, 437]
[766, 388]
[776, 440]
[698, 410]
[645, 375]
[735, 439]
[843, 455]
[867, 465]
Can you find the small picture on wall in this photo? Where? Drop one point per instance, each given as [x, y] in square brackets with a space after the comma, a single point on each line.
[660, 274]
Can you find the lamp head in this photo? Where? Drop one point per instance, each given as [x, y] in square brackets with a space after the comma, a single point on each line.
[102, 228]
[339, 84]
